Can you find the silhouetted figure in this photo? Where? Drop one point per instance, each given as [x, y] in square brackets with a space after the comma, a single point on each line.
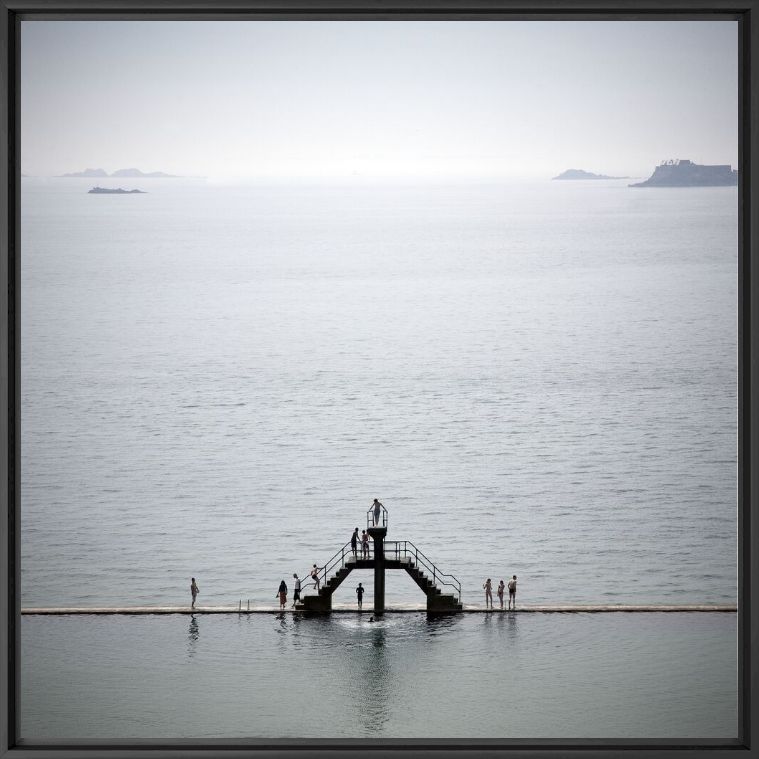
[513, 592]
[360, 595]
[354, 541]
[194, 590]
[315, 576]
[488, 593]
[501, 586]
[282, 593]
[296, 589]
[377, 511]
[364, 544]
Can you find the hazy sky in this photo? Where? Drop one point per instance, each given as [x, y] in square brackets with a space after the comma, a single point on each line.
[376, 98]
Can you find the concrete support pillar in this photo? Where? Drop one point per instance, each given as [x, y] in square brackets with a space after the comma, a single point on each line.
[378, 536]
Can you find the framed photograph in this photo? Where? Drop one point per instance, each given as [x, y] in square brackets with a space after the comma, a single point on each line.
[377, 377]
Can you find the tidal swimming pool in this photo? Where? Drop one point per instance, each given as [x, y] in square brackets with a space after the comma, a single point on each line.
[498, 675]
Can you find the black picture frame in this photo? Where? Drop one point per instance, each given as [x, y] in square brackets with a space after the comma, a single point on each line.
[746, 12]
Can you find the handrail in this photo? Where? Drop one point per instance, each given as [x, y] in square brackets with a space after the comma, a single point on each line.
[383, 520]
[404, 547]
[339, 558]
[425, 561]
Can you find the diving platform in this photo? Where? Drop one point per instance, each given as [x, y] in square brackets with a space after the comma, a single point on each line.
[443, 591]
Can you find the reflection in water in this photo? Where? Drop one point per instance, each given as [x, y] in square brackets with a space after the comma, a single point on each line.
[372, 687]
[373, 666]
[513, 626]
[437, 623]
[192, 636]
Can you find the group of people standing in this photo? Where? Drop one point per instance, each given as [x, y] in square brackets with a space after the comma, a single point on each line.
[363, 539]
[512, 588]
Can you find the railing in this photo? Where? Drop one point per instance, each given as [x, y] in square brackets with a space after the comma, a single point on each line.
[396, 548]
[406, 549]
[375, 517]
[323, 573]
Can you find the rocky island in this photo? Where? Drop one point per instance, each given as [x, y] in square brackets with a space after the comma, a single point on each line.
[113, 191]
[684, 173]
[582, 174]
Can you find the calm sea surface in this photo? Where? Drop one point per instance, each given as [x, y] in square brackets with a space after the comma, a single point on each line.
[534, 379]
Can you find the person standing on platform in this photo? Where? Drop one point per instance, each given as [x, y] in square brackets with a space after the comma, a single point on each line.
[360, 595]
[296, 589]
[377, 511]
[364, 544]
[354, 541]
[513, 592]
[501, 586]
[194, 590]
[282, 593]
[488, 593]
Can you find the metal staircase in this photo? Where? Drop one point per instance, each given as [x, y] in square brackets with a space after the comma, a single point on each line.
[400, 554]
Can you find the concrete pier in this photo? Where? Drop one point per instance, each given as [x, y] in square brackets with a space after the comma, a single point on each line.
[397, 609]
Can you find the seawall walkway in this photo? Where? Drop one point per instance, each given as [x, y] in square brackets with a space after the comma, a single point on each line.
[397, 609]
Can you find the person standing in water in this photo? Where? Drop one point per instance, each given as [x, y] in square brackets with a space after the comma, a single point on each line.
[296, 589]
[377, 511]
[360, 595]
[501, 586]
[194, 590]
[488, 593]
[282, 593]
[354, 541]
[513, 591]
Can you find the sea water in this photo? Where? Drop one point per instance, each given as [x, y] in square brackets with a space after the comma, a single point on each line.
[535, 379]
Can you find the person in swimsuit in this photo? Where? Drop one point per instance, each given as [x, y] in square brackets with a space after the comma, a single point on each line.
[377, 511]
[315, 576]
[513, 591]
[360, 594]
[282, 593]
[354, 541]
[364, 544]
[296, 589]
[194, 590]
[488, 593]
[501, 586]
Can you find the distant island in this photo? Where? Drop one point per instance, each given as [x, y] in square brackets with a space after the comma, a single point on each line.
[582, 174]
[684, 173]
[122, 173]
[113, 191]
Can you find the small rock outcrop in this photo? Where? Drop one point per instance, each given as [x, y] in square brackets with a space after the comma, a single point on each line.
[113, 191]
[582, 174]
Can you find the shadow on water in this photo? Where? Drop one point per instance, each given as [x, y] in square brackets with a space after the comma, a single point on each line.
[193, 634]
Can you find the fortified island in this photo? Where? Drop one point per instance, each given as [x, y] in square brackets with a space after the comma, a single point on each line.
[582, 174]
[684, 173]
[113, 191]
